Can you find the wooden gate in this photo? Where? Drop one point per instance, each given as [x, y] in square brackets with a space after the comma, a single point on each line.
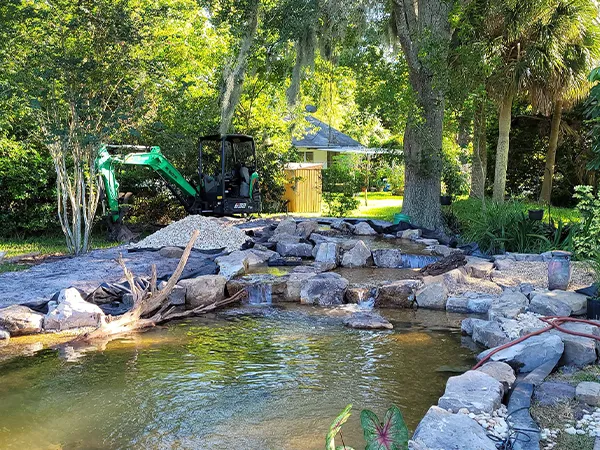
[303, 189]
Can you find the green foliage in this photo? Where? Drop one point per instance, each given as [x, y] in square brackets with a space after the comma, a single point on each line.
[340, 183]
[586, 241]
[336, 427]
[396, 179]
[498, 228]
[592, 113]
[27, 182]
[454, 177]
[391, 434]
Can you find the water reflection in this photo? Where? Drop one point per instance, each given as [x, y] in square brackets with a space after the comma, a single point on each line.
[251, 378]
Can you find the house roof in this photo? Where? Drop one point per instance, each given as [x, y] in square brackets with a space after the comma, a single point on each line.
[319, 135]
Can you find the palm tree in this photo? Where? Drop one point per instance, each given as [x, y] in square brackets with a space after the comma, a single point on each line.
[512, 28]
[567, 48]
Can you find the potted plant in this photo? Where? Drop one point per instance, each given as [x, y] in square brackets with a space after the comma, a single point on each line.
[536, 214]
[593, 301]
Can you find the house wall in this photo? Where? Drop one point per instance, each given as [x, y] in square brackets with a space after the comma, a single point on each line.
[318, 156]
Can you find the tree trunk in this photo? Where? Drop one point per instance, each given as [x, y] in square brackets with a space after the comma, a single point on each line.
[423, 173]
[546, 193]
[504, 122]
[413, 20]
[479, 164]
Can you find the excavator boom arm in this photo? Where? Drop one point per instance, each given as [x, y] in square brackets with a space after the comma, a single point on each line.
[106, 167]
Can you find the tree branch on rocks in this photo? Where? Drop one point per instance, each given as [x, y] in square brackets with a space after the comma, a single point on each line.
[150, 305]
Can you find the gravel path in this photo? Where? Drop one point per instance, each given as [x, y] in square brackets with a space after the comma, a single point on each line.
[536, 273]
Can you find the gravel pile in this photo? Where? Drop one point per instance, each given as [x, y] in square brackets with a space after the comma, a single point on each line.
[214, 234]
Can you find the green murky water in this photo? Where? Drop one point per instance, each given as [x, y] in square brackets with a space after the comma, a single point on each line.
[260, 378]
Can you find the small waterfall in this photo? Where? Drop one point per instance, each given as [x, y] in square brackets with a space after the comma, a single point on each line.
[259, 293]
[366, 298]
[417, 261]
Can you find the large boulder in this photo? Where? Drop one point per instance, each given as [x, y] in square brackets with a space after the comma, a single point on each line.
[232, 265]
[306, 228]
[548, 306]
[256, 257]
[204, 290]
[508, 305]
[432, 296]
[72, 311]
[358, 256]
[286, 226]
[579, 350]
[399, 294]
[468, 324]
[324, 289]
[501, 372]
[387, 257]
[364, 229]
[294, 284]
[576, 302]
[477, 391]
[328, 254]
[441, 430]
[301, 249]
[489, 334]
[368, 321]
[530, 353]
[19, 320]
[588, 392]
[479, 267]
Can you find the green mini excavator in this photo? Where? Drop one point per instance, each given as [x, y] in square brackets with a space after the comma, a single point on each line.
[228, 183]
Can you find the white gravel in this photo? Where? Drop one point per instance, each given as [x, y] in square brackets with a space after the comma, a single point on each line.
[214, 234]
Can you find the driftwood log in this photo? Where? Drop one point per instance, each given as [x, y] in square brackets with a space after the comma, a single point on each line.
[151, 305]
[451, 262]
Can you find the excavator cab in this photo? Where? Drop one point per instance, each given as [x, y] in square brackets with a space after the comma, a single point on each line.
[228, 177]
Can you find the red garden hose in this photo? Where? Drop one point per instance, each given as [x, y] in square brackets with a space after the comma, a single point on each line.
[554, 322]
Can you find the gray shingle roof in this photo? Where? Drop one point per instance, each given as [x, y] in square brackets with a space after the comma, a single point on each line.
[320, 135]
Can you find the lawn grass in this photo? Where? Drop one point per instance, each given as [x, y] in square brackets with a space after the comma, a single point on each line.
[555, 417]
[44, 245]
[379, 205]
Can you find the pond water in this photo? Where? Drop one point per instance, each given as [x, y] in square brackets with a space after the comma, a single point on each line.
[247, 378]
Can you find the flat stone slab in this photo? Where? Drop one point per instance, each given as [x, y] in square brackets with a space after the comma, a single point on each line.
[368, 321]
[577, 302]
[442, 430]
[529, 354]
[477, 391]
[549, 393]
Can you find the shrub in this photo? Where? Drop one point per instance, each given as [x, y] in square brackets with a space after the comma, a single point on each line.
[504, 227]
[27, 189]
[586, 241]
[339, 186]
